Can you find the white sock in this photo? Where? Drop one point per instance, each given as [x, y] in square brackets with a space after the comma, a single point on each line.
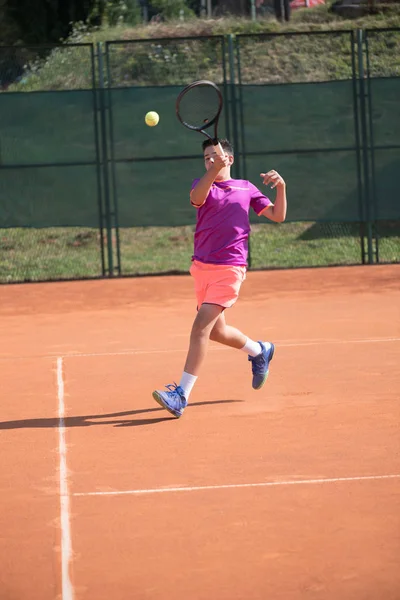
[254, 348]
[187, 383]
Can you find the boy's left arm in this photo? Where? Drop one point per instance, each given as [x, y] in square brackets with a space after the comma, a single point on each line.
[277, 211]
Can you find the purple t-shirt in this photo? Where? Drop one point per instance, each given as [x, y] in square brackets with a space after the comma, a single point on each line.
[223, 226]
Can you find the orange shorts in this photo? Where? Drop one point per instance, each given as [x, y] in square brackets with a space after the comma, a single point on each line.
[217, 284]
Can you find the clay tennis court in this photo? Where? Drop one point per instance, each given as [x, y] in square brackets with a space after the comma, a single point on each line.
[287, 493]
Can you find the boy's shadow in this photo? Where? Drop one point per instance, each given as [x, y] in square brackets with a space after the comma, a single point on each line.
[105, 419]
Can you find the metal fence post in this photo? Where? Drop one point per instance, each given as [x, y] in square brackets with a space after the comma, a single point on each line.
[98, 160]
[103, 135]
[361, 207]
[114, 197]
[372, 150]
[364, 141]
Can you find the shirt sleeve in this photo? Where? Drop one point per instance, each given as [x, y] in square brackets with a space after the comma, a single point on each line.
[194, 183]
[258, 201]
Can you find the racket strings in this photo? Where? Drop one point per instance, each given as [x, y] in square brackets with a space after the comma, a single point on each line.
[199, 106]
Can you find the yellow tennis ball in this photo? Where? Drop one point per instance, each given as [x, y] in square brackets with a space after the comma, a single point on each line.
[151, 118]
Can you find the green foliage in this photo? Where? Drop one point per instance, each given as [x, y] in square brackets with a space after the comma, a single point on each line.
[168, 63]
[275, 60]
[384, 53]
[172, 9]
[320, 14]
[120, 12]
[65, 68]
[289, 59]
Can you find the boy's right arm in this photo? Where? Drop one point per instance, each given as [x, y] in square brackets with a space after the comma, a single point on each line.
[199, 193]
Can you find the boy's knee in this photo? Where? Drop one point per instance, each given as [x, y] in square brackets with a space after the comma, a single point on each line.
[199, 330]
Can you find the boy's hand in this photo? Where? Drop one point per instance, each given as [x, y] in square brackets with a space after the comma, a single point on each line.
[218, 162]
[273, 178]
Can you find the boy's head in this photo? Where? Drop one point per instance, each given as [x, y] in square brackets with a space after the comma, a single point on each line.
[209, 154]
[226, 145]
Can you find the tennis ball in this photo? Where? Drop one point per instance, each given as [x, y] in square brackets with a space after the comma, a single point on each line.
[151, 118]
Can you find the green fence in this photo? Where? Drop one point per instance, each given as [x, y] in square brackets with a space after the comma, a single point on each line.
[382, 128]
[88, 190]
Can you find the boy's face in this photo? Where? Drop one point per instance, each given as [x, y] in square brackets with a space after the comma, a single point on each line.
[210, 154]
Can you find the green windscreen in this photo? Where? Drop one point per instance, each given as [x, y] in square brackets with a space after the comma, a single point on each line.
[134, 140]
[384, 151]
[52, 169]
[49, 170]
[49, 197]
[47, 127]
[307, 133]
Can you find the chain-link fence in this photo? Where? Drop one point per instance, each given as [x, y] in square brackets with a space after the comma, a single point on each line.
[50, 164]
[88, 190]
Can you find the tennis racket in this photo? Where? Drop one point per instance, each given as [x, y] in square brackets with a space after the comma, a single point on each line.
[198, 107]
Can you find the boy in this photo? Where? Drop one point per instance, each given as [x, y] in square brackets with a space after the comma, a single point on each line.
[219, 266]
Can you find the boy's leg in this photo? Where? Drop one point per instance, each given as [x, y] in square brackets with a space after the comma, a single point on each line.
[226, 334]
[175, 397]
[260, 353]
[207, 316]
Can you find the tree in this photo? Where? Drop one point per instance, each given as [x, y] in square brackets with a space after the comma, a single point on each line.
[42, 21]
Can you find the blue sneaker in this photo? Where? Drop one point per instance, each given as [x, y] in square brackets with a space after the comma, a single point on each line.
[173, 400]
[260, 366]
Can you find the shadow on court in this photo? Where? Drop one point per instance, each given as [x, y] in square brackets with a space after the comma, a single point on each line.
[105, 419]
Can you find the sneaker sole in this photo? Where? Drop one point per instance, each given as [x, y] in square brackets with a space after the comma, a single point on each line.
[159, 401]
[267, 373]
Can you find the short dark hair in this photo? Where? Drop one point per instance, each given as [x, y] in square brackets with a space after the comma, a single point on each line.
[226, 145]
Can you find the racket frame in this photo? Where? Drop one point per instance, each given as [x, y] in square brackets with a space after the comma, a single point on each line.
[214, 121]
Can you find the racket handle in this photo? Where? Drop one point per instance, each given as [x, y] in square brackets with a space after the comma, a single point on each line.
[218, 149]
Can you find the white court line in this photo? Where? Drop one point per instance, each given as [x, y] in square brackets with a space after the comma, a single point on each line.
[66, 546]
[236, 486]
[220, 347]
[286, 344]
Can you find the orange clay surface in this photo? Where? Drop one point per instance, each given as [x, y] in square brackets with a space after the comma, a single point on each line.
[288, 493]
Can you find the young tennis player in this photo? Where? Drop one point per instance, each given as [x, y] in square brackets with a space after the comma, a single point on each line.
[219, 266]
